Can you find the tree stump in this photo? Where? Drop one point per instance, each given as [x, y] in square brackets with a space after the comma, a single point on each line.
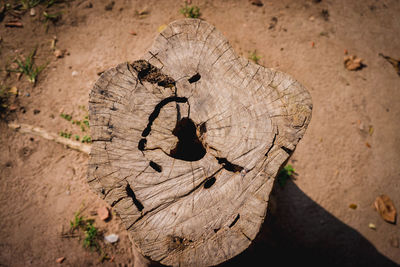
[187, 143]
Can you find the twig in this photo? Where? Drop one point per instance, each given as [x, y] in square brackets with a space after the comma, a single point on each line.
[29, 129]
[14, 24]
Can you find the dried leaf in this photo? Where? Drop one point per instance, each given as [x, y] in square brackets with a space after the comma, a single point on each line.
[161, 28]
[368, 144]
[353, 206]
[60, 260]
[371, 130]
[386, 209]
[353, 63]
[13, 90]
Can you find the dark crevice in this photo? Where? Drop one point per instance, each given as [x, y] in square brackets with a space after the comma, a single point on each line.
[155, 166]
[194, 78]
[209, 182]
[131, 194]
[142, 144]
[189, 147]
[228, 165]
[115, 202]
[216, 230]
[272, 145]
[234, 221]
[157, 110]
[149, 73]
[203, 128]
[287, 150]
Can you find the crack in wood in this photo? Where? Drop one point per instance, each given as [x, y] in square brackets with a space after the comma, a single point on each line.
[132, 195]
[155, 166]
[234, 221]
[194, 78]
[229, 166]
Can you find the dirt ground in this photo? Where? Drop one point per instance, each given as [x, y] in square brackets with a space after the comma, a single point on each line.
[349, 154]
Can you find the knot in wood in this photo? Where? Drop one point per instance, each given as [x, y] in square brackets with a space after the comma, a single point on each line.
[187, 142]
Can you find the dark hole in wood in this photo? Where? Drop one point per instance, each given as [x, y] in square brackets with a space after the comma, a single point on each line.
[194, 78]
[149, 73]
[234, 221]
[157, 110]
[287, 150]
[203, 128]
[155, 166]
[229, 166]
[131, 194]
[189, 147]
[209, 182]
[142, 144]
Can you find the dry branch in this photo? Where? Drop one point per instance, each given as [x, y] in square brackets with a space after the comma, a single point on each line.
[29, 129]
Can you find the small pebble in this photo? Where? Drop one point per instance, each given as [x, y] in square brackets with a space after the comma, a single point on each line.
[112, 238]
[372, 226]
[103, 213]
[32, 12]
[74, 73]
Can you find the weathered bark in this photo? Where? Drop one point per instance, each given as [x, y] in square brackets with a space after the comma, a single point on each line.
[187, 143]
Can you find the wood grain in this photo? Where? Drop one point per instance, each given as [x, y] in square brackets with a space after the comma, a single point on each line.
[187, 142]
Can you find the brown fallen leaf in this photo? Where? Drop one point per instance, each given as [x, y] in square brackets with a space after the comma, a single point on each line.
[353, 63]
[60, 260]
[14, 24]
[368, 144]
[386, 209]
[58, 53]
[353, 206]
[395, 62]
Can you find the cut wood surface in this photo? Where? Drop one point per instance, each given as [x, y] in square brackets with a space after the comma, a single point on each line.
[187, 142]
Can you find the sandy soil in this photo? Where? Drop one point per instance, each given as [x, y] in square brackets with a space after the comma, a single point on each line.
[349, 154]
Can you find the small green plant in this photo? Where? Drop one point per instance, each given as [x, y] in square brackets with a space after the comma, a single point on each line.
[77, 222]
[51, 17]
[91, 233]
[253, 56]
[77, 137]
[190, 11]
[26, 4]
[86, 139]
[65, 134]
[27, 67]
[66, 116]
[285, 174]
